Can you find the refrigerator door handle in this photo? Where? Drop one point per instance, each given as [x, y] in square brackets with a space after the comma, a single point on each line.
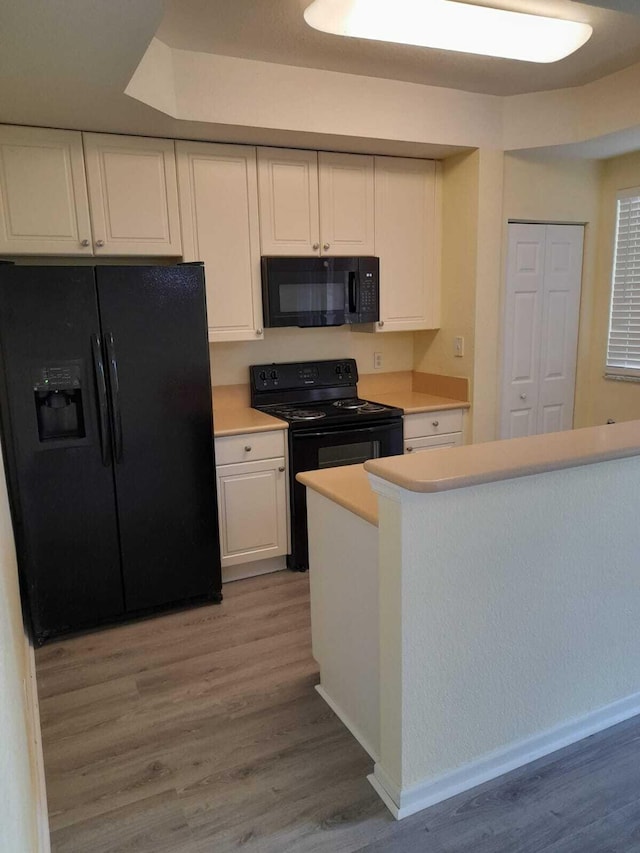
[114, 384]
[103, 405]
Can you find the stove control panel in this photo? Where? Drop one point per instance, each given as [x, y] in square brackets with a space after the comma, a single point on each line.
[297, 375]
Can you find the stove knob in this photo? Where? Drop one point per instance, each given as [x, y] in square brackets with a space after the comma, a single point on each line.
[263, 375]
[339, 369]
[274, 374]
[347, 369]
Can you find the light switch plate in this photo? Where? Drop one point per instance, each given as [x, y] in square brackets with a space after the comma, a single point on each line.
[458, 346]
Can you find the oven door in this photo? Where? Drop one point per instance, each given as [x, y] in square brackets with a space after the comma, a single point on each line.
[329, 448]
[307, 291]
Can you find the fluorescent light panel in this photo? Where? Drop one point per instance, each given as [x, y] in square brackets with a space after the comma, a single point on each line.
[447, 25]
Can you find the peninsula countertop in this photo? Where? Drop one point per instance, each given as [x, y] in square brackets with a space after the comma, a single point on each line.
[348, 486]
[473, 464]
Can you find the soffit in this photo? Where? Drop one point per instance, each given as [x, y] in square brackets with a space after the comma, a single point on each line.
[276, 32]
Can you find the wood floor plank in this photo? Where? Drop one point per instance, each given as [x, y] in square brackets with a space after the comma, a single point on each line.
[201, 732]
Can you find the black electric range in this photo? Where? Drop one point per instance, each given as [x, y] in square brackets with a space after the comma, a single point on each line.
[329, 425]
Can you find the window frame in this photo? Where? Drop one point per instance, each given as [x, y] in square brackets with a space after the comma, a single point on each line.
[626, 372]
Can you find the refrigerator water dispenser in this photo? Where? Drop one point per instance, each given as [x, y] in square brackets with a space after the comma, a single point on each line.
[58, 401]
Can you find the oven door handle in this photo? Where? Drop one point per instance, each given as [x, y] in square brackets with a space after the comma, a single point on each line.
[345, 433]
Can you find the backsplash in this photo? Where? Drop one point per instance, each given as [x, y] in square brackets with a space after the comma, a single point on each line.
[229, 361]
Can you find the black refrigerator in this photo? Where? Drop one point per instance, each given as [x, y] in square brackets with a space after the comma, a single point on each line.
[105, 408]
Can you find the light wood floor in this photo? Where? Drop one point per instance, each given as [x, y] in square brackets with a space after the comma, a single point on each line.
[200, 732]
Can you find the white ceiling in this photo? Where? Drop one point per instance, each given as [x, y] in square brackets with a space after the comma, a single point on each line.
[276, 32]
[67, 63]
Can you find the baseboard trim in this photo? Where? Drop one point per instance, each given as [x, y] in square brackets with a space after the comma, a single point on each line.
[346, 721]
[404, 802]
[35, 747]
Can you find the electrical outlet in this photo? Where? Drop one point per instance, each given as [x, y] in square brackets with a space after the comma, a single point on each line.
[458, 346]
[377, 361]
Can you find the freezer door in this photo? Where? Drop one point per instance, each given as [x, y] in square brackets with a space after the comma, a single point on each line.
[56, 446]
[155, 332]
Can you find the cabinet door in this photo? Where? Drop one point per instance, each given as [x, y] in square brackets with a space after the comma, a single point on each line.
[432, 442]
[219, 211]
[288, 195]
[407, 242]
[346, 204]
[252, 505]
[43, 194]
[132, 195]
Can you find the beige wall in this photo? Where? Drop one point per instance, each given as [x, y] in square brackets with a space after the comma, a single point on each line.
[230, 361]
[609, 399]
[540, 189]
[434, 350]
[17, 783]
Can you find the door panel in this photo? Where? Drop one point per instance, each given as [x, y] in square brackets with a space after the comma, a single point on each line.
[544, 270]
[288, 197]
[62, 492]
[346, 204]
[253, 510]
[562, 280]
[165, 478]
[133, 195]
[523, 310]
[219, 209]
[43, 193]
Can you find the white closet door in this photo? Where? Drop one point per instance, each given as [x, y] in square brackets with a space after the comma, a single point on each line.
[523, 321]
[561, 309]
[544, 271]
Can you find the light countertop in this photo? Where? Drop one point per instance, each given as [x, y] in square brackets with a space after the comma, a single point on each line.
[234, 421]
[348, 486]
[413, 401]
[473, 464]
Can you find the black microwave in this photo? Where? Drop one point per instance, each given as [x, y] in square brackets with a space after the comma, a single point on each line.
[313, 291]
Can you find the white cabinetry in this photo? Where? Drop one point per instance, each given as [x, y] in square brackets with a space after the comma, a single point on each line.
[431, 430]
[45, 198]
[252, 496]
[133, 195]
[315, 203]
[43, 194]
[219, 210]
[407, 241]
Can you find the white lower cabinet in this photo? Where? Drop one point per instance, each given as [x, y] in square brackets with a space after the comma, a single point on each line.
[432, 430]
[252, 497]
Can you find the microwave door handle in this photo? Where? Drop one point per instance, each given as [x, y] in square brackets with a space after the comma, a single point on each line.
[353, 292]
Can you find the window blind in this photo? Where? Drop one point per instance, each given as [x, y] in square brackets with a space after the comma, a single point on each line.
[623, 349]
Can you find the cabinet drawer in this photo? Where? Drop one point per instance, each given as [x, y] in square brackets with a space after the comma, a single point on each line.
[433, 423]
[432, 442]
[249, 446]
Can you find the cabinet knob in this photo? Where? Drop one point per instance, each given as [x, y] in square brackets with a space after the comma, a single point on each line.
[435, 423]
[315, 247]
[281, 468]
[523, 396]
[99, 243]
[84, 242]
[258, 332]
[409, 449]
[381, 323]
[247, 448]
[326, 246]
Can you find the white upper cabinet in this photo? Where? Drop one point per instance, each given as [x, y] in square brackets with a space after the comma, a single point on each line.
[315, 204]
[133, 195]
[288, 195]
[219, 210]
[346, 204]
[407, 240]
[43, 195]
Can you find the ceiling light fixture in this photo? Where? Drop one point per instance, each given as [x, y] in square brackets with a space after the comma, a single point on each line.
[449, 25]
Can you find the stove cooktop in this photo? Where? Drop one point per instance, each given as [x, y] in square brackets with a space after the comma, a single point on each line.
[333, 411]
[310, 393]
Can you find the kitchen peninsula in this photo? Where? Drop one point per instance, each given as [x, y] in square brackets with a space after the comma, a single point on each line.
[474, 620]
